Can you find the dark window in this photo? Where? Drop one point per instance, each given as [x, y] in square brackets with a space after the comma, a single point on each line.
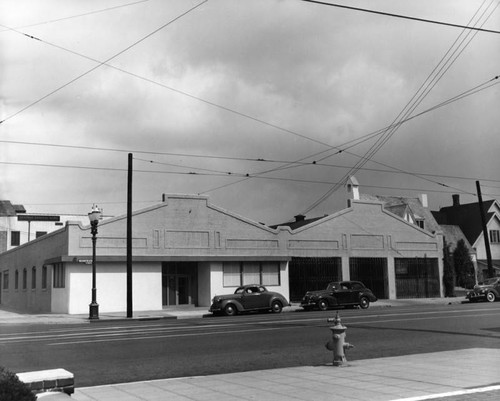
[356, 286]
[6, 280]
[44, 277]
[59, 276]
[495, 236]
[420, 223]
[15, 238]
[33, 277]
[16, 280]
[25, 278]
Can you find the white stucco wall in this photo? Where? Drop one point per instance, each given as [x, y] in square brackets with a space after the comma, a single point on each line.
[480, 246]
[111, 284]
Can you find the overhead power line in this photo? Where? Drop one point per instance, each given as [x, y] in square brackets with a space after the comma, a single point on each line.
[100, 63]
[76, 16]
[285, 164]
[193, 173]
[432, 79]
[323, 3]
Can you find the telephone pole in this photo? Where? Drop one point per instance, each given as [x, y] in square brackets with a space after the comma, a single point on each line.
[485, 231]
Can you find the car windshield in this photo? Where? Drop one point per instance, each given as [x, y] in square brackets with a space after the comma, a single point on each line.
[491, 281]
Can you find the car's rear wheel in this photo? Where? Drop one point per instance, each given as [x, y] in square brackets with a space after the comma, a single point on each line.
[322, 305]
[364, 303]
[230, 310]
[276, 307]
[490, 297]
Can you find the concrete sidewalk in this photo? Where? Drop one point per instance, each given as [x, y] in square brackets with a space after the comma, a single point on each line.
[471, 374]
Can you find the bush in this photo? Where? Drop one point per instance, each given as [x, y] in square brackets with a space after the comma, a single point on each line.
[464, 268]
[13, 389]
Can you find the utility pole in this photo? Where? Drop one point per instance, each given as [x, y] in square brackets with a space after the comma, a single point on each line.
[485, 232]
[129, 238]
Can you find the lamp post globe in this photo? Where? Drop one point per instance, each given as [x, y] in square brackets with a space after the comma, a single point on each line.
[94, 217]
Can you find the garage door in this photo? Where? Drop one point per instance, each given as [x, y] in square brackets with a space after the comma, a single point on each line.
[372, 272]
[417, 278]
[310, 274]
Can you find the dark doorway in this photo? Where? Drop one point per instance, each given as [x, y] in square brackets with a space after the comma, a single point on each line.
[417, 278]
[179, 283]
[311, 274]
[372, 272]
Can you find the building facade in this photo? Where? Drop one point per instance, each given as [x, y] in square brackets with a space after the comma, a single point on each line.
[18, 227]
[186, 250]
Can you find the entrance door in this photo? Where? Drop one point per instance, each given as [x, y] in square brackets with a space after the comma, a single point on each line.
[176, 290]
[180, 283]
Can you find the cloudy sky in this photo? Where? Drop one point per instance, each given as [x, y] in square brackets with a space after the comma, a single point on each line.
[264, 105]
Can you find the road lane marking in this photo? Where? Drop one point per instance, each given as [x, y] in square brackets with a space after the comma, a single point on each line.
[168, 336]
[131, 332]
[243, 330]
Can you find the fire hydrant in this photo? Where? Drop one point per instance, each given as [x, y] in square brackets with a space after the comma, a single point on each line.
[338, 344]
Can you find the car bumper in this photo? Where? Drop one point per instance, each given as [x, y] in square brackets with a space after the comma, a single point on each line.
[472, 296]
[215, 309]
[308, 304]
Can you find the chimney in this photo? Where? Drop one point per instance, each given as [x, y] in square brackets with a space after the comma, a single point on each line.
[456, 199]
[299, 217]
[424, 201]
[353, 188]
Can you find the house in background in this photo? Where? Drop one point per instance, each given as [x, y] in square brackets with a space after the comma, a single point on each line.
[468, 218]
[18, 227]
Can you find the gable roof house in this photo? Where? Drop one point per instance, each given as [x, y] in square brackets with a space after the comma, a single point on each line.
[468, 218]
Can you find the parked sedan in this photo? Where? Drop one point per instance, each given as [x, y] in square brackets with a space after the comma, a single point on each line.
[488, 290]
[341, 293]
[251, 297]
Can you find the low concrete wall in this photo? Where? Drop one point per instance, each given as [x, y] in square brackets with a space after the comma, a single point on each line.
[49, 380]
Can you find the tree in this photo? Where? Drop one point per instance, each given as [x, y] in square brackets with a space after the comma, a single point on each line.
[13, 389]
[464, 268]
[448, 272]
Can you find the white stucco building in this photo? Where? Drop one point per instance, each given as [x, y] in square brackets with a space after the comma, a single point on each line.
[186, 250]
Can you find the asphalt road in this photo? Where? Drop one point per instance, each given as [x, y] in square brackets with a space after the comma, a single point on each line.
[115, 352]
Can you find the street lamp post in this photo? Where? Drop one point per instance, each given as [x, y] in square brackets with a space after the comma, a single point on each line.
[94, 217]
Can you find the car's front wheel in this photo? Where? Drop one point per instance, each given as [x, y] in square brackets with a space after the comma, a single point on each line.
[322, 305]
[230, 310]
[491, 297]
[364, 303]
[276, 307]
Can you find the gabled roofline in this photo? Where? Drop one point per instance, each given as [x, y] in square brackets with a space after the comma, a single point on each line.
[184, 196]
[481, 234]
[350, 210]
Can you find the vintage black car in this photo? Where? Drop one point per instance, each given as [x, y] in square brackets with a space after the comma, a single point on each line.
[340, 293]
[488, 290]
[251, 297]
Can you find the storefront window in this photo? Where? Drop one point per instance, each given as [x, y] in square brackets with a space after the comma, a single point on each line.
[243, 273]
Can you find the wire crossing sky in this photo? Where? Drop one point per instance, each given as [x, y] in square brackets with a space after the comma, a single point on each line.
[265, 105]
